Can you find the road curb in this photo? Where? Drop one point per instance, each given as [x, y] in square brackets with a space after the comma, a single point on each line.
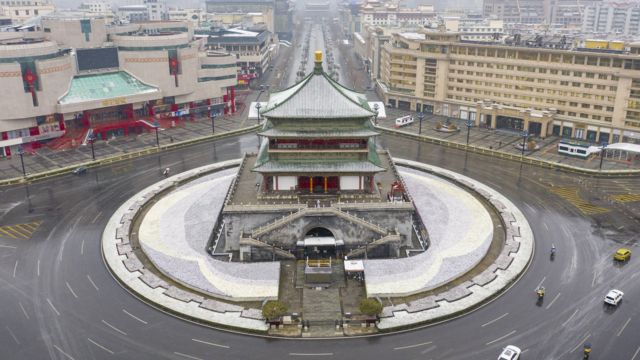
[492, 282]
[507, 156]
[131, 155]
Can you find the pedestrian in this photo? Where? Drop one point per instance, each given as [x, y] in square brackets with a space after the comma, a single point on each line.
[171, 139]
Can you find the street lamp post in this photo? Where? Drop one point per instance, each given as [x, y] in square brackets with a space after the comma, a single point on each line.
[212, 115]
[156, 125]
[92, 139]
[420, 118]
[469, 124]
[376, 108]
[525, 135]
[602, 153]
[21, 153]
[258, 106]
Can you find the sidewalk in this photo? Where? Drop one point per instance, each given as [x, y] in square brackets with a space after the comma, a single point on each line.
[502, 140]
[45, 159]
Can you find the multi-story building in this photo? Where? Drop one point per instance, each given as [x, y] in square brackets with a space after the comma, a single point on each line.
[474, 29]
[150, 10]
[95, 7]
[373, 12]
[196, 16]
[244, 20]
[23, 10]
[277, 14]
[612, 17]
[583, 93]
[253, 50]
[521, 11]
[106, 81]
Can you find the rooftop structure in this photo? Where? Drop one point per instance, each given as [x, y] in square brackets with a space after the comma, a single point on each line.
[345, 161]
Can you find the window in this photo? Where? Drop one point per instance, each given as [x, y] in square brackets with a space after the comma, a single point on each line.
[605, 62]
[542, 71]
[575, 84]
[577, 74]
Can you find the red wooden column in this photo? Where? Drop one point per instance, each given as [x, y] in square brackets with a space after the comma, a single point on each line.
[325, 184]
[311, 184]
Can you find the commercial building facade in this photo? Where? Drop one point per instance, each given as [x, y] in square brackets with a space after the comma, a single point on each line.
[116, 80]
[23, 10]
[578, 93]
[612, 17]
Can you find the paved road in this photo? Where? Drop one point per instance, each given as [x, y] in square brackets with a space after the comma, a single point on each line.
[59, 301]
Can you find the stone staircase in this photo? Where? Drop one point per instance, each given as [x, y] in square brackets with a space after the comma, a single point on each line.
[383, 240]
[330, 210]
[321, 306]
[247, 241]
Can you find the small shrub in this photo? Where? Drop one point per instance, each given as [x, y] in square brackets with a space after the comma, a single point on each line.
[274, 309]
[371, 307]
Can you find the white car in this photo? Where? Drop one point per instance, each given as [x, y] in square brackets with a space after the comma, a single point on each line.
[510, 353]
[613, 297]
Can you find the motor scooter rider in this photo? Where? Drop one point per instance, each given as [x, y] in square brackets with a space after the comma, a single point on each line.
[166, 172]
[540, 292]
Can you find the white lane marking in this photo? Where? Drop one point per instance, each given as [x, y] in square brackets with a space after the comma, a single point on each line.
[580, 343]
[53, 307]
[546, 227]
[100, 346]
[114, 328]
[305, 354]
[494, 320]
[23, 310]
[540, 283]
[593, 282]
[92, 283]
[570, 317]
[412, 346]
[38, 268]
[636, 353]
[187, 356]
[623, 327]
[552, 301]
[13, 336]
[15, 268]
[82, 247]
[64, 353]
[8, 246]
[96, 218]
[501, 337]
[135, 317]
[71, 290]
[212, 344]
[62, 250]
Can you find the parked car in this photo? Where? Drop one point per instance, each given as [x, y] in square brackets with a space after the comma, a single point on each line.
[622, 254]
[613, 297]
[510, 353]
[80, 170]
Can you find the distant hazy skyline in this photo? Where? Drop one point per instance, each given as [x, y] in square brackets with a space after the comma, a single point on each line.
[439, 4]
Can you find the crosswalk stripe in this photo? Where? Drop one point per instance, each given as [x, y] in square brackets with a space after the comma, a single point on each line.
[20, 231]
[2, 230]
[572, 195]
[625, 197]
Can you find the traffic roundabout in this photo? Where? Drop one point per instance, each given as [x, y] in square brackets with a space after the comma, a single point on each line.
[155, 244]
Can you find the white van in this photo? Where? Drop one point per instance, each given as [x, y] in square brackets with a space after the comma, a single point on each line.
[403, 121]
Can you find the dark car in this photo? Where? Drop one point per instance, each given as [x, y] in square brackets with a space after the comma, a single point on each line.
[80, 170]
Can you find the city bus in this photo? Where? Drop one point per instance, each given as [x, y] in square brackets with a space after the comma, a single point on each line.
[577, 148]
[403, 121]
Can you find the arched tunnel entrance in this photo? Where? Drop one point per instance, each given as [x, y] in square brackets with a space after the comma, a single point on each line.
[320, 243]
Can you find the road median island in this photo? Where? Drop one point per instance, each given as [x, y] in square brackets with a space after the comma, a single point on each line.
[512, 157]
[122, 157]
